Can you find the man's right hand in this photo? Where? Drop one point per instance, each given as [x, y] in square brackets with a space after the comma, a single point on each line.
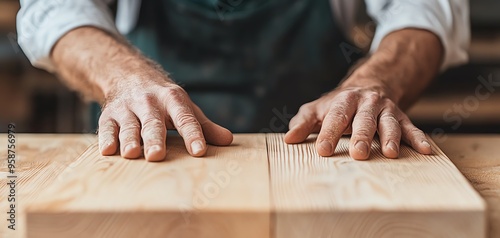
[140, 101]
[144, 109]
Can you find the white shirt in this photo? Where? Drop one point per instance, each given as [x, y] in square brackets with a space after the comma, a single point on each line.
[42, 22]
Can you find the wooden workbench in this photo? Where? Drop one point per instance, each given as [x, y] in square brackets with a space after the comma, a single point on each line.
[43, 158]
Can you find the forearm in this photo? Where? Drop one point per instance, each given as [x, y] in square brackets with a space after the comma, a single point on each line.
[404, 64]
[96, 63]
[141, 101]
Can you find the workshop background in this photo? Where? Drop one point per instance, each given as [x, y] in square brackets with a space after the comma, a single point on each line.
[37, 102]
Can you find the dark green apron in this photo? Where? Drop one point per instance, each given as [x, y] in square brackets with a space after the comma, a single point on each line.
[249, 64]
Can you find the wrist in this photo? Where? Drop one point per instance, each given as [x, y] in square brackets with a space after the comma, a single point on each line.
[379, 73]
[403, 65]
[99, 64]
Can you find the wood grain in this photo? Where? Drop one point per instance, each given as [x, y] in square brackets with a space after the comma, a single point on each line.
[310, 196]
[413, 196]
[40, 159]
[225, 194]
[478, 158]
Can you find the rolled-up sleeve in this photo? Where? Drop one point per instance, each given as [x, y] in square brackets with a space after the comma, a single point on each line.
[448, 19]
[40, 24]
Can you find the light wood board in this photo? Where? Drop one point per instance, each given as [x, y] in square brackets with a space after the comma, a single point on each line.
[286, 191]
[413, 196]
[224, 194]
[40, 159]
[478, 158]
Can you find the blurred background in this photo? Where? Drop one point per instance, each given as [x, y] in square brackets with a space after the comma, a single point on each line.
[37, 102]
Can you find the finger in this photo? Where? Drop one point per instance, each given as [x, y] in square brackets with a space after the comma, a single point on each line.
[364, 127]
[389, 132]
[108, 136]
[153, 132]
[185, 122]
[301, 125]
[129, 136]
[414, 136]
[336, 121]
[214, 134]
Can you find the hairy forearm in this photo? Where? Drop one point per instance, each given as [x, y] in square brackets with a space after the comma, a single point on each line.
[140, 101]
[404, 64]
[95, 63]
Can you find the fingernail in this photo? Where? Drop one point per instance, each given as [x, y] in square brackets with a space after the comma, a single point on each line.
[426, 144]
[392, 146]
[153, 149]
[326, 146]
[361, 146]
[104, 146]
[196, 147]
[108, 144]
[130, 147]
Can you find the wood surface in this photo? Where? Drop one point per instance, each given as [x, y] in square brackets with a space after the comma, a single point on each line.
[478, 158]
[300, 178]
[413, 196]
[40, 159]
[224, 194]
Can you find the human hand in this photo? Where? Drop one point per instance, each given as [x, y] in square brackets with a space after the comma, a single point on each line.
[144, 108]
[361, 111]
[369, 100]
[140, 100]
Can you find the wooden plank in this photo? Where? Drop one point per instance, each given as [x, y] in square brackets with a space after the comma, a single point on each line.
[478, 158]
[225, 194]
[413, 196]
[40, 159]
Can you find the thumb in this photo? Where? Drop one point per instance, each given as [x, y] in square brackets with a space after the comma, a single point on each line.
[214, 134]
[301, 126]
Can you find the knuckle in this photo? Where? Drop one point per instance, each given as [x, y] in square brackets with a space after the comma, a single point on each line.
[389, 104]
[339, 118]
[108, 112]
[175, 93]
[106, 133]
[116, 111]
[362, 133]
[129, 128]
[404, 121]
[146, 99]
[346, 96]
[391, 133]
[373, 98]
[106, 129]
[350, 95]
[368, 118]
[192, 132]
[153, 141]
[416, 131]
[104, 120]
[150, 112]
[328, 133]
[152, 122]
[106, 126]
[305, 108]
[389, 117]
[152, 125]
[185, 121]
